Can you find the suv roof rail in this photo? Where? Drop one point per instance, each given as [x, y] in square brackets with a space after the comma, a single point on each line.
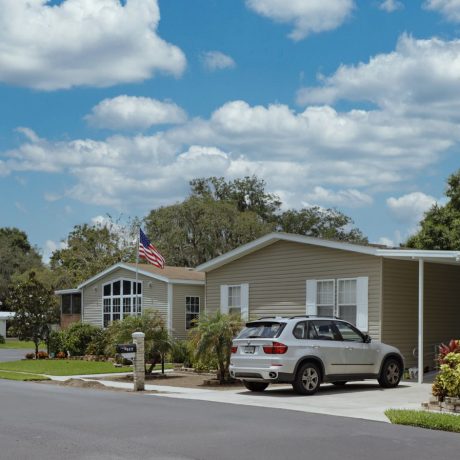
[314, 316]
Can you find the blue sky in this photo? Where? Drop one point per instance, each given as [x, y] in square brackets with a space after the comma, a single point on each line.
[112, 107]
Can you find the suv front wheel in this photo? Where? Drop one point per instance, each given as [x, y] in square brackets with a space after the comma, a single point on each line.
[391, 373]
[308, 379]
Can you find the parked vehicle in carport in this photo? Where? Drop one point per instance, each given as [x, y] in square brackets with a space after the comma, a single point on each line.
[307, 351]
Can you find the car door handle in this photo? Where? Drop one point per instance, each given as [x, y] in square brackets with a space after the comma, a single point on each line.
[316, 347]
[350, 348]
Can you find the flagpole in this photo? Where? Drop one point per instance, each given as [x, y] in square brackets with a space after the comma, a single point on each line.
[137, 272]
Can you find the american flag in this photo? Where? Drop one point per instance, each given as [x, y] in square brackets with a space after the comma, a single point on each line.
[149, 252]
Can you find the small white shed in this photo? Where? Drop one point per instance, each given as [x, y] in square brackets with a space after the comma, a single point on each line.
[4, 316]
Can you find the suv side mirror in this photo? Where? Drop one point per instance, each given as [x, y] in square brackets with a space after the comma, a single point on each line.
[367, 338]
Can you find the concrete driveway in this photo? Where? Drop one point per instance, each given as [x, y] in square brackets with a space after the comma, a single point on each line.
[363, 400]
[13, 354]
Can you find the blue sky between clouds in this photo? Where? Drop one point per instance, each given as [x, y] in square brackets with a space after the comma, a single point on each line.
[354, 106]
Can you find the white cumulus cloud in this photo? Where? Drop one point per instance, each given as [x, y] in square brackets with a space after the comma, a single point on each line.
[83, 42]
[129, 112]
[391, 5]
[421, 77]
[450, 9]
[411, 207]
[216, 60]
[307, 17]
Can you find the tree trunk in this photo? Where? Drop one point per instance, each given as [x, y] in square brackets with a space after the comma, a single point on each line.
[163, 364]
[36, 342]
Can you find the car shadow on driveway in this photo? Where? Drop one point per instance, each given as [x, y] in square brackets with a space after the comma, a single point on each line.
[325, 390]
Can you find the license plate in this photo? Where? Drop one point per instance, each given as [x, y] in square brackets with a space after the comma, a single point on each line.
[249, 350]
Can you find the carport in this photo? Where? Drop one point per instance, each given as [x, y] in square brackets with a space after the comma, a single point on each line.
[423, 257]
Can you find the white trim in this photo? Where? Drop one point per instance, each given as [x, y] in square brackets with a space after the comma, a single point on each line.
[244, 301]
[67, 291]
[362, 303]
[451, 256]
[141, 272]
[199, 310]
[223, 304]
[421, 285]
[311, 297]
[170, 307]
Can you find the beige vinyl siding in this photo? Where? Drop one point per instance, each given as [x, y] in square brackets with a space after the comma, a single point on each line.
[154, 295]
[400, 307]
[180, 292]
[277, 277]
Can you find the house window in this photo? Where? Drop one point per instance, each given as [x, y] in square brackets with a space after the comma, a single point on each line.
[192, 311]
[121, 299]
[347, 300]
[234, 300]
[71, 304]
[325, 295]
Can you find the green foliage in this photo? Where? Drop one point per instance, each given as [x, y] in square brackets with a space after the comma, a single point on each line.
[77, 337]
[180, 353]
[16, 257]
[248, 194]
[2, 339]
[440, 228]
[56, 342]
[98, 344]
[447, 382]
[320, 223]
[199, 229]
[452, 347]
[422, 419]
[222, 215]
[36, 310]
[91, 249]
[212, 338]
[157, 340]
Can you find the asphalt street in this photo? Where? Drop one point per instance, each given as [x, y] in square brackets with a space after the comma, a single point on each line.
[41, 421]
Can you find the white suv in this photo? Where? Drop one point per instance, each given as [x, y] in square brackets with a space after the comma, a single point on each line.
[306, 351]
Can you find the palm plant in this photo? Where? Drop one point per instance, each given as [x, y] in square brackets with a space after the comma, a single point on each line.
[213, 337]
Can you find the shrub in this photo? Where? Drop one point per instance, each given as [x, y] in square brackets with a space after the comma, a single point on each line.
[157, 340]
[181, 352]
[42, 355]
[447, 382]
[61, 355]
[2, 339]
[30, 355]
[444, 350]
[56, 342]
[98, 343]
[77, 337]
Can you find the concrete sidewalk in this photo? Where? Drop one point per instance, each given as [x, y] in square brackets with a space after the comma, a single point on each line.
[363, 400]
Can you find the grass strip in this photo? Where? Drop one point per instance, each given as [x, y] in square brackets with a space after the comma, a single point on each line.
[14, 344]
[8, 375]
[424, 419]
[62, 367]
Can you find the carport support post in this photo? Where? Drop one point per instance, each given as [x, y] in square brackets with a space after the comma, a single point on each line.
[139, 362]
[421, 282]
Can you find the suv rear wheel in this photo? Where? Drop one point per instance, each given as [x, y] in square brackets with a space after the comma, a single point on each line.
[308, 379]
[391, 373]
[255, 386]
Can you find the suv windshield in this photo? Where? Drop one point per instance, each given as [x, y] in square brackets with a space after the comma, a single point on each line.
[261, 330]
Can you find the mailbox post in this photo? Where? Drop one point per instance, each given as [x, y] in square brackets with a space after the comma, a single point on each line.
[139, 362]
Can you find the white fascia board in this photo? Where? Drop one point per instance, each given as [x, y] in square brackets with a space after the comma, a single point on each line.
[273, 238]
[418, 254]
[67, 291]
[126, 267]
[192, 282]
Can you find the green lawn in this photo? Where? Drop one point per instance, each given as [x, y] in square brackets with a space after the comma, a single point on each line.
[62, 367]
[15, 343]
[19, 376]
[424, 419]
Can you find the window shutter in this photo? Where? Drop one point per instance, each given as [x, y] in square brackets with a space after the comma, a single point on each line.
[245, 302]
[311, 298]
[224, 299]
[362, 303]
